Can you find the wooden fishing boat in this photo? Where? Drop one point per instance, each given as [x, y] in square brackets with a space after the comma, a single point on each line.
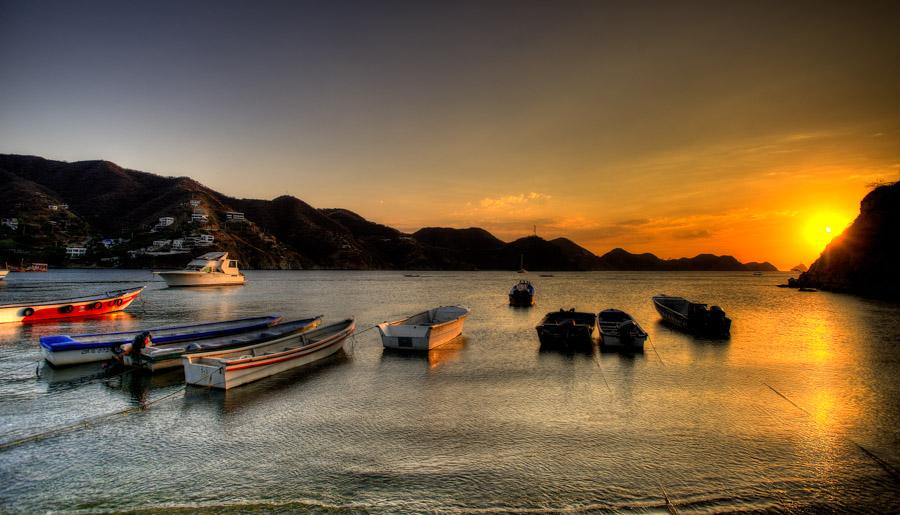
[618, 329]
[230, 368]
[425, 330]
[210, 269]
[568, 328]
[521, 294]
[152, 356]
[693, 317]
[90, 305]
[84, 348]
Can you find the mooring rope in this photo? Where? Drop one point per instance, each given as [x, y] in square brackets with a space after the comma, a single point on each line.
[649, 339]
[87, 422]
[20, 367]
[597, 362]
[670, 506]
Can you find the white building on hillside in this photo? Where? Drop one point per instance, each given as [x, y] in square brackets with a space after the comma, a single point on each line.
[75, 252]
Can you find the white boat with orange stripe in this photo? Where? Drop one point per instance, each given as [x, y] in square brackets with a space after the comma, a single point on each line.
[230, 368]
[90, 305]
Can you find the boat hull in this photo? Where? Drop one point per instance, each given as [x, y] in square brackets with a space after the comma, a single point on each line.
[186, 278]
[225, 374]
[76, 356]
[521, 299]
[421, 337]
[701, 322]
[567, 329]
[69, 308]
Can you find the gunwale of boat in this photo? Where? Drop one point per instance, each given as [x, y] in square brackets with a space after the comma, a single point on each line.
[427, 312]
[113, 294]
[219, 358]
[174, 350]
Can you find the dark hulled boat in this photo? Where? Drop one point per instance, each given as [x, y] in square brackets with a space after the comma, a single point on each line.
[522, 294]
[693, 317]
[569, 328]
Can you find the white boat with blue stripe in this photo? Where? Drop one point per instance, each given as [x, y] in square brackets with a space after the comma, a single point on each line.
[62, 350]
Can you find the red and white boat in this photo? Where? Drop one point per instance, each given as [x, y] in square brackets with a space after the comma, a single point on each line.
[91, 305]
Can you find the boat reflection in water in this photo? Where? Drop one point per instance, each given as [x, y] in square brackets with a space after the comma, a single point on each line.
[433, 359]
[264, 391]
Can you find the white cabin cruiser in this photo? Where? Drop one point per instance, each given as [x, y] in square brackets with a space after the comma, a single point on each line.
[425, 330]
[210, 269]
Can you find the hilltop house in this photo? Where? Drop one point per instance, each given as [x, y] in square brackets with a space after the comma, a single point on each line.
[234, 216]
[194, 203]
[202, 240]
[75, 252]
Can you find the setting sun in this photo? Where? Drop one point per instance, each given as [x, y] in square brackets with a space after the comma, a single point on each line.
[823, 226]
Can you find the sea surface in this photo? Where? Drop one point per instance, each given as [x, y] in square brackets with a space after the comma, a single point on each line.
[798, 411]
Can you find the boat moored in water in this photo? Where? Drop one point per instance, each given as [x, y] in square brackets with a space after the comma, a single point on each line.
[89, 305]
[693, 317]
[568, 328]
[521, 294]
[210, 269]
[84, 348]
[425, 330]
[152, 356]
[618, 329]
[230, 368]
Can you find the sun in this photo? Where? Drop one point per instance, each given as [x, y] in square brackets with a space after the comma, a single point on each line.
[823, 226]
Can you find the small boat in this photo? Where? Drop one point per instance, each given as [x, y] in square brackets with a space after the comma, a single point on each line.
[230, 368]
[693, 317]
[567, 328]
[807, 289]
[546, 275]
[85, 348]
[757, 273]
[522, 264]
[210, 269]
[425, 330]
[619, 330]
[521, 294]
[155, 357]
[34, 267]
[90, 305]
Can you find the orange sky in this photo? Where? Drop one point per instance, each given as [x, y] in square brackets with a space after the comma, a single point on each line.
[741, 128]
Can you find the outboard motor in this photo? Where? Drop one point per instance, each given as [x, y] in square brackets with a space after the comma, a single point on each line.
[718, 323]
[626, 332]
[137, 345]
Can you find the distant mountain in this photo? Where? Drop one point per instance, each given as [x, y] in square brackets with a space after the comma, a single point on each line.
[863, 259]
[621, 259]
[117, 215]
[799, 268]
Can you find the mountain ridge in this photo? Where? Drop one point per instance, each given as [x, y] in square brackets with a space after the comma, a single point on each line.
[105, 202]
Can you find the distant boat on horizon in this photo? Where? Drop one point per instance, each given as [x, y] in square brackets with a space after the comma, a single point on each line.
[522, 264]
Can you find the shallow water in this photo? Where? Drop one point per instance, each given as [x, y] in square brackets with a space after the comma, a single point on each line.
[797, 411]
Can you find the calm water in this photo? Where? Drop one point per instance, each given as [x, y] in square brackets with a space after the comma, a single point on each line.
[487, 422]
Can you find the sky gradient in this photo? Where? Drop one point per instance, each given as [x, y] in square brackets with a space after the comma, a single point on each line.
[673, 128]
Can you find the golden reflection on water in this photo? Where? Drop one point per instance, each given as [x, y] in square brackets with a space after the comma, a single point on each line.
[447, 353]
